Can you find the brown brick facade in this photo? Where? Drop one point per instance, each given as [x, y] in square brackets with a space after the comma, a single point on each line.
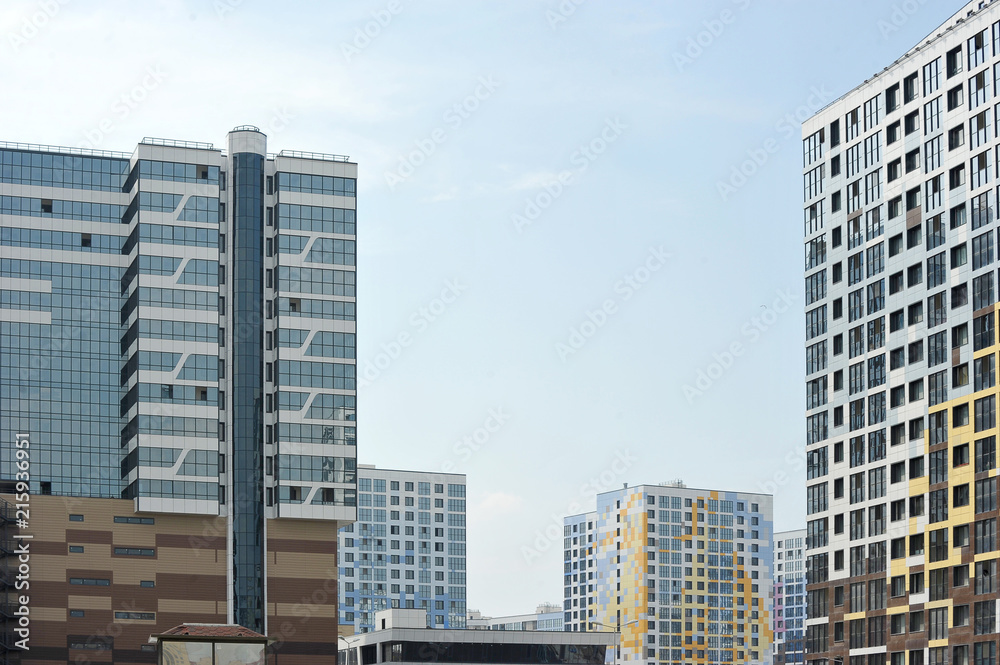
[73, 611]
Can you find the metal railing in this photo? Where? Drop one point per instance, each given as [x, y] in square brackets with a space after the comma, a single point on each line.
[314, 155]
[64, 150]
[175, 143]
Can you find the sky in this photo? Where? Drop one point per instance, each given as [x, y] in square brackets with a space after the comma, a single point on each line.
[580, 256]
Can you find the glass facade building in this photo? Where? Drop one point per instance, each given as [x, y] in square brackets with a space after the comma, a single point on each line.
[59, 315]
[683, 574]
[177, 328]
[407, 549]
[900, 194]
[248, 382]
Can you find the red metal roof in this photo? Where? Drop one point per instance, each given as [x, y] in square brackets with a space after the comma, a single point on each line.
[212, 630]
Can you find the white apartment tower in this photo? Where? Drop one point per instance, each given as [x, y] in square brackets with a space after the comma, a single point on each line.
[900, 188]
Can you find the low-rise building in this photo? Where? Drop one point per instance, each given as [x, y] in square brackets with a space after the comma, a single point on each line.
[547, 616]
[401, 636]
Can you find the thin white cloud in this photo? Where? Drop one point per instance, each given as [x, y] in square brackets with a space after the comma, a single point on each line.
[498, 504]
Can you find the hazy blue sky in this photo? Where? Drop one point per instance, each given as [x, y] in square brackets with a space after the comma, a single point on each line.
[548, 216]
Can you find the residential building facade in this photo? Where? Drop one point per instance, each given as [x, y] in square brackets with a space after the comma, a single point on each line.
[900, 178]
[177, 333]
[407, 549]
[789, 597]
[683, 574]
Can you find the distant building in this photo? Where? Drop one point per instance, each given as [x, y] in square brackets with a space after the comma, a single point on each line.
[402, 636]
[684, 574]
[789, 597]
[407, 549]
[546, 617]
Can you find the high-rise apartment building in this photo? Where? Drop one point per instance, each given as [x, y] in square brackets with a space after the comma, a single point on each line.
[407, 549]
[683, 574]
[177, 334]
[789, 597]
[900, 178]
